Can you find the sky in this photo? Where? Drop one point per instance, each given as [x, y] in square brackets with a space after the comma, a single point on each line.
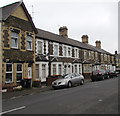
[96, 18]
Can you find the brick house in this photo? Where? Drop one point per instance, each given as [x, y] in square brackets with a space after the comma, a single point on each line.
[34, 54]
[18, 45]
[59, 54]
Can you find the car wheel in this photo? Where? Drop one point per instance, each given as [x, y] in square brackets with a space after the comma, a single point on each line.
[69, 84]
[82, 82]
[108, 77]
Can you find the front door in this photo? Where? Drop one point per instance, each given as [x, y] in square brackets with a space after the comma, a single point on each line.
[29, 72]
[43, 72]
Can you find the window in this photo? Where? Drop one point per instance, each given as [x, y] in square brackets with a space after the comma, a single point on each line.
[60, 69]
[37, 71]
[40, 47]
[29, 43]
[65, 69]
[54, 69]
[69, 51]
[75, 68]
[65, 51]
[79, 69]
[76, 53]
[96, 55]
[19, 72]
[102, 57]
[9, 73]
[56, 50]
[85, 55]
[43, 71]
[14, 40]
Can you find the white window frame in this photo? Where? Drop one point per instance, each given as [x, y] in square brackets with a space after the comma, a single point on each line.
[14, 37]
[29, 41]
[19, 72]
[55, 44]
[64, 52]
[42, 46]
[57, 70]
[40, 71]
[9, 72]
[67, 64]
[54, 73]
[70, 51]
[76, 52]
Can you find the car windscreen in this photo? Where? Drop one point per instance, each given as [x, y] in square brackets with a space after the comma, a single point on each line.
[67, 76]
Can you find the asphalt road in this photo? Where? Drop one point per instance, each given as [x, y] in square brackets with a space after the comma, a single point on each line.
[99, 97]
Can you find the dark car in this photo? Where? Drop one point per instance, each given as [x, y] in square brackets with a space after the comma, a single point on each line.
[110, 74]
[117, 72]
[98, 75]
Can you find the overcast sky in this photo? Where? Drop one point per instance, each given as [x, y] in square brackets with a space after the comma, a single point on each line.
[96, 18]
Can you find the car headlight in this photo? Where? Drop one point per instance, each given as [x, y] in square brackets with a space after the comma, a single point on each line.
[59, 83]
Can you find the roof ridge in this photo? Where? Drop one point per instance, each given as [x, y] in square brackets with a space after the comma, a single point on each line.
[83, 45]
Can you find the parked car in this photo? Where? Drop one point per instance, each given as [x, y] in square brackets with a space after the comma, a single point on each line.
[108, 74]
[117, 72]
[68, 80]
[98, 75]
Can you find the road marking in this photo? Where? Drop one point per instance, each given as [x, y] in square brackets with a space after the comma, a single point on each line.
[12, 110]
[100, 100]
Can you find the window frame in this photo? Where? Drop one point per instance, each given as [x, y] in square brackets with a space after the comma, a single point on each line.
[55, 44]
[42, 50]
[54, 68]
[29, 41]
[19, 72]
[15, 38]
[9, 72]
[76, 52]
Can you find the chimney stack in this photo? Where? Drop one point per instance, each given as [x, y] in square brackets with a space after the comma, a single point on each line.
[63, 31]
[84, 39]
[98, 44]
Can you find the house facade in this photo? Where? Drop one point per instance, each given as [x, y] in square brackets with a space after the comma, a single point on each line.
[34, 54]
[18, 45]
[59, 55]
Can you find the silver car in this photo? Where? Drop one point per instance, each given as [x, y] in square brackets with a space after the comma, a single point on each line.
[68, 80]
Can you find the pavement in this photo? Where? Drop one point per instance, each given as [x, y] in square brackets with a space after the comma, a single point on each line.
[28, 91]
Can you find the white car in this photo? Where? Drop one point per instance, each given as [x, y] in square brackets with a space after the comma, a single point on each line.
[68, 80]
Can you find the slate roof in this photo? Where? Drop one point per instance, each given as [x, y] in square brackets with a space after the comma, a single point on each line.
[58, 38]
[9, 9]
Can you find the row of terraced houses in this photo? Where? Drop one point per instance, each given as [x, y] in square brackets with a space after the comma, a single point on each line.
[34, 54]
